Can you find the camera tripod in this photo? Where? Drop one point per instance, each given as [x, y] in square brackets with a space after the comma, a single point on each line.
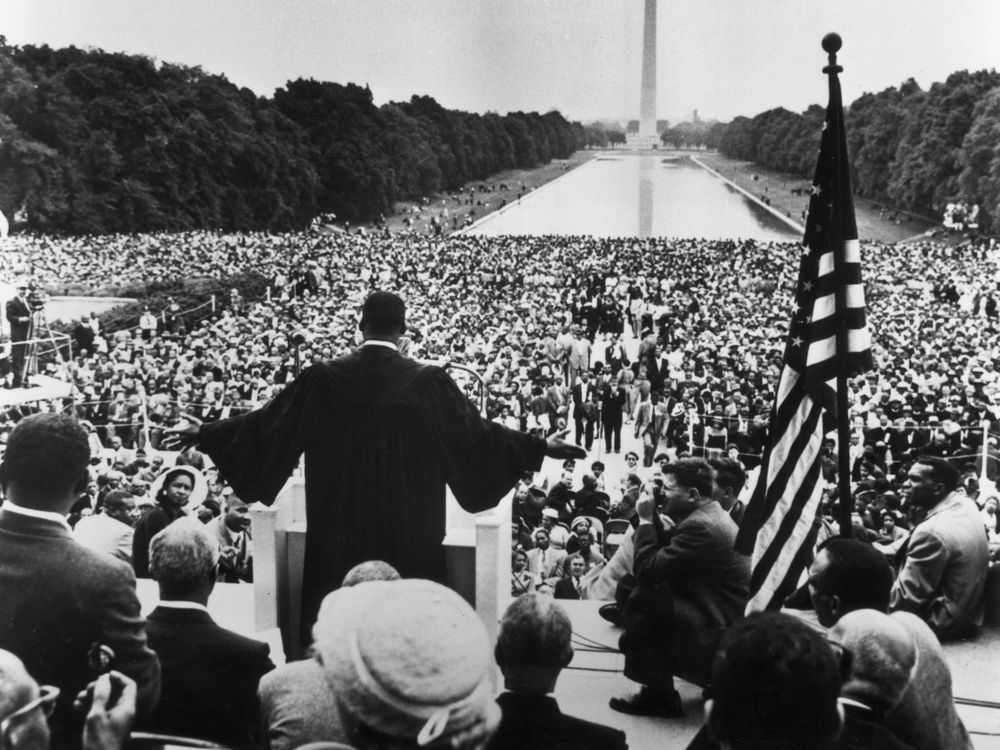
[39, 332]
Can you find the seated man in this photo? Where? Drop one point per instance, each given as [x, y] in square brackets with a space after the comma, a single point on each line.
[24, 707]
[109, 530]
[409, 664]
[296, 702]
[60, 603]
[775, 686]
[848, 574]
[943, 574]
[543, 561]
[532, 648]
[232, 530]
[689, 590]
[210, 674]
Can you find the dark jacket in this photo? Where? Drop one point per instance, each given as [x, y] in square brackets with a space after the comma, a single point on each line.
[531, 720]
[210, 678]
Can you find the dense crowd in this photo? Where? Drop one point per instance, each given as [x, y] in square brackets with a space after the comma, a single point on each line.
[676, 342]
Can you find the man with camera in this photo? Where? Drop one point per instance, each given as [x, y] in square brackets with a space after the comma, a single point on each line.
[19, 317]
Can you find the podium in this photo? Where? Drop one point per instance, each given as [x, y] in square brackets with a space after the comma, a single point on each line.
[477, 554]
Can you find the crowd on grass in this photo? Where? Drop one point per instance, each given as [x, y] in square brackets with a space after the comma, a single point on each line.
[676, 342]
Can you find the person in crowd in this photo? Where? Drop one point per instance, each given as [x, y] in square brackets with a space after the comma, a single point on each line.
[569, 586]
[689, 590]
[543, 560]
[775, 686]
[730, 477]
[943, 573]
[19, 317]
[533, 647]
[210, 674]
[380, 640]
[848, 574]
[25, 705]
[401, 432]
[558, 533]
[232, 530]
[898, 688]
[62, 604]
[899, 672]
[296, 702]
[613, 399]
[173, 490]
[110, 530]
[522, 581]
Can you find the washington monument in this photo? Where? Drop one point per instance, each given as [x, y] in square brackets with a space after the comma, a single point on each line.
[647, 137]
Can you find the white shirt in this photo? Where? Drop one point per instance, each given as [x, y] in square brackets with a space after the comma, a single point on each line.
[43, 514]
[182, 604]
[103, 533]
[378, 342]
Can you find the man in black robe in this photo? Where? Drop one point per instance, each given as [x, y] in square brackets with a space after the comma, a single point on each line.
[382, 436]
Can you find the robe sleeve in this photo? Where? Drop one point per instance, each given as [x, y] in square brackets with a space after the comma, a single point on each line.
[482, 459]
[256, 452]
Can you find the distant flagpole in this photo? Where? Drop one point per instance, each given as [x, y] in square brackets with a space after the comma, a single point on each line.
[828, 341]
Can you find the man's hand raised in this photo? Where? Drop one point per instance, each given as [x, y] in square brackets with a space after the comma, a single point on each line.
[558, 447]
[182, 435]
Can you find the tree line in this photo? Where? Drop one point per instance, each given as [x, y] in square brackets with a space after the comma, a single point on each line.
[99, 142]
[912, 149]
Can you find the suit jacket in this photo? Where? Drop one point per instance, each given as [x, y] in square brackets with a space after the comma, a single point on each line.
[579, 399]
[553, 557]
[210, 678]
[16, 309]
[534, 721]
[57, 599]
[706, 578]
[564, 589]
[298, 706]
[944, 575]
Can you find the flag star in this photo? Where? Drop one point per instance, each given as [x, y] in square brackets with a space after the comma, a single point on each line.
[824, 125]
[815, 190]
[796, 341]
[807, 286]
[805, 250]
[819, 228]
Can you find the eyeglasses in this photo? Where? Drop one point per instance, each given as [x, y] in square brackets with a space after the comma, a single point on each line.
[46, 701]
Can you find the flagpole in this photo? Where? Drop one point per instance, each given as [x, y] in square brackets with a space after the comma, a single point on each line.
[832, 44]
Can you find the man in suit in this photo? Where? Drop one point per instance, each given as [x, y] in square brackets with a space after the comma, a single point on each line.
[943, 574]
[690, 589]
[613, 398]
[532, 648]
[210, 674]
[60, 602]
[543, 561]
[583, 417]
[568, 587]
[19, 317]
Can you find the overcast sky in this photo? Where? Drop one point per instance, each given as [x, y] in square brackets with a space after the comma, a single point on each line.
[582, 57]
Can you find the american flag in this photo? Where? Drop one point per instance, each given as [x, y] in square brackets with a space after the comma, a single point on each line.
[780, 526]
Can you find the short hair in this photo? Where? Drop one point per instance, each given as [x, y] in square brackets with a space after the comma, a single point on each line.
[45, 454]
[857, 573]
[633, 454]
[729, 473]
[775, 684]
[692, 473]
[942, 471]
[182, 554]
[370, 570]
[383, 313]
[535, 632]
[115, 500]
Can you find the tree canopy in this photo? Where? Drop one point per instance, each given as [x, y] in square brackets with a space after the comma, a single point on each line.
[98, 142]
[917, 150]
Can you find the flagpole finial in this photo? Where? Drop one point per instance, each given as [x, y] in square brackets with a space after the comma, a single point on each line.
[832, 44]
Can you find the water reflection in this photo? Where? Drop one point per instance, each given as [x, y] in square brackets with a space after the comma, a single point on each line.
[646, 197]
[638, 196]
